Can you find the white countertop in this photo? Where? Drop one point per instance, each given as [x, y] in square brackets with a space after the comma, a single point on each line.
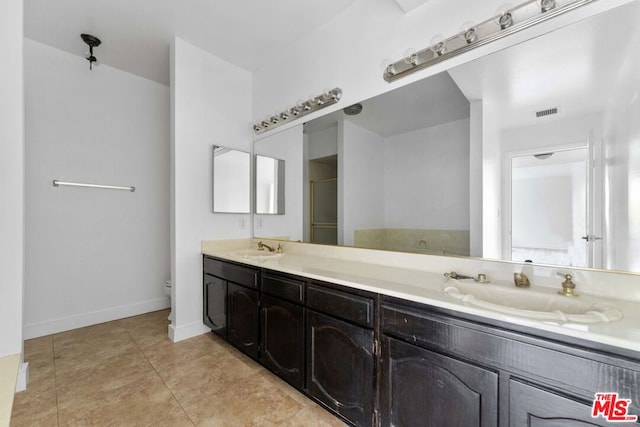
[9, 366]
[421, 286]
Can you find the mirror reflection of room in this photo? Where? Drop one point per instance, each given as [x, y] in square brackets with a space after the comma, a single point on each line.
[270, 182]
[427, 167]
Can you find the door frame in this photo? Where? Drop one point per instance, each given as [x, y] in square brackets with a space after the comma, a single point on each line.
[506, 226]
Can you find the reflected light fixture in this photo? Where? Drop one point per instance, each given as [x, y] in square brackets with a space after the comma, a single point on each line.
[302, 109]
[508, 22]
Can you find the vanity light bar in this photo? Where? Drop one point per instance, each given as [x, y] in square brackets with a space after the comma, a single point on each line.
[307, 107]
[510, 21]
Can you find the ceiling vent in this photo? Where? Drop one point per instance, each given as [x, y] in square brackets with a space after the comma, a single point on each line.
[547, 112]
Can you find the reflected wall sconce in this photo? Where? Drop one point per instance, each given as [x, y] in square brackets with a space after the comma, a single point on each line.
[508, 22]
[307, 107]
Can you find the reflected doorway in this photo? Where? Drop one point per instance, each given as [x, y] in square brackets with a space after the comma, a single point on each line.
[549, 208]
[323, 197]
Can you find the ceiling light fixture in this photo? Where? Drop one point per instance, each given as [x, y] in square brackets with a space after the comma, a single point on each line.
[302, 109]
[353, 110]
[91, 41]
[508, 22]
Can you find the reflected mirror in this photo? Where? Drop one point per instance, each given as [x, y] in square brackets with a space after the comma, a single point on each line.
[231, 180]
[529, 153]
[270, 193]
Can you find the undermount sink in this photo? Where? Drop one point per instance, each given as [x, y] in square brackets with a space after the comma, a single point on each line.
[532, 304]
[255, 254]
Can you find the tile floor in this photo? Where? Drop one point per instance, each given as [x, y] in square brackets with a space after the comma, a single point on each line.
[128, 373]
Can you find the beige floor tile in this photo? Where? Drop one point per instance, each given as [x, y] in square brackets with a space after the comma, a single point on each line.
[128, 373]
[38, 346]
[165, 356]
[251, 402]
[41, 367]
[143, 402]
[276, 382]
[46, 418]
[90, 380]
[178, 420]
[94, 332]
[206, 376]
[313, 416]
[38, 402]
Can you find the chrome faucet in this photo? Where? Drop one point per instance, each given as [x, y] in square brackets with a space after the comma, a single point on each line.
[263, 246]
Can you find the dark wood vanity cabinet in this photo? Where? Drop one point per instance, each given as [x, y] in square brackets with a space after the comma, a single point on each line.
[340, 353]
[375, 360]
[243, 319]
[468, 373]
[421, 387]
[282, 328]
[531, 406]
[215, 304]
[231, 303]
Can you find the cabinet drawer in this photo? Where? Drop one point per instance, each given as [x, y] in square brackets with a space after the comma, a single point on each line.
[532, 359]
[288, 289]
[231, 272]
[353, 308]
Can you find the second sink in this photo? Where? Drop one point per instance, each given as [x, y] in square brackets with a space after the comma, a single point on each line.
[532, 304]
[255, 254]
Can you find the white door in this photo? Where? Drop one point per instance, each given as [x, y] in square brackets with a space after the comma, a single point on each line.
[551, 208]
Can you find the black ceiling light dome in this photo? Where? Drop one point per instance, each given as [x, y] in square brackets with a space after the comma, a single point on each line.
[353, 110]
[91, 41]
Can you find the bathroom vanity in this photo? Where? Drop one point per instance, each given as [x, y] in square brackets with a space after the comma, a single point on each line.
[373, 358]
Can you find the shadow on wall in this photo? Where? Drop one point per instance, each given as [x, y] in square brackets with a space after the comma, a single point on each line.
[422, 241]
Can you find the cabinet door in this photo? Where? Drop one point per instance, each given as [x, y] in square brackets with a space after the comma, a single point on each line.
[423, 388]
[283, 339]
[243, 319]
[215, 305]
[340, 367]
[533, 407]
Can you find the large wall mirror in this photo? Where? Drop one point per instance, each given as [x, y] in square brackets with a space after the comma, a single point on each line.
[529, 153]
[270, 189]
[231, 180]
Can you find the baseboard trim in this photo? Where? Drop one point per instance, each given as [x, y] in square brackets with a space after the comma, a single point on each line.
[23, 377]
[179, 333]
[54, 326]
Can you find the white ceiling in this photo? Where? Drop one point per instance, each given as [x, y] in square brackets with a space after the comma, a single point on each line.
[136, 34]
[574, 68]
[425, 103]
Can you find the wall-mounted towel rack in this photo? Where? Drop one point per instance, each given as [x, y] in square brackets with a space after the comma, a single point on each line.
[57, 183]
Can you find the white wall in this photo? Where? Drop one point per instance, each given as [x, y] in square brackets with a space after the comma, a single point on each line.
[476, 113]
[352, 50]
[427, 178]
[323, 143]
[550, 132]
[361, 181]
[622, 163]
[211, 105]
[11, 184]
[287, 146]
[93, 255]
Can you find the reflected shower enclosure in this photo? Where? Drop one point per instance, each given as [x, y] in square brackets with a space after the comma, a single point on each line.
[269, 186]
